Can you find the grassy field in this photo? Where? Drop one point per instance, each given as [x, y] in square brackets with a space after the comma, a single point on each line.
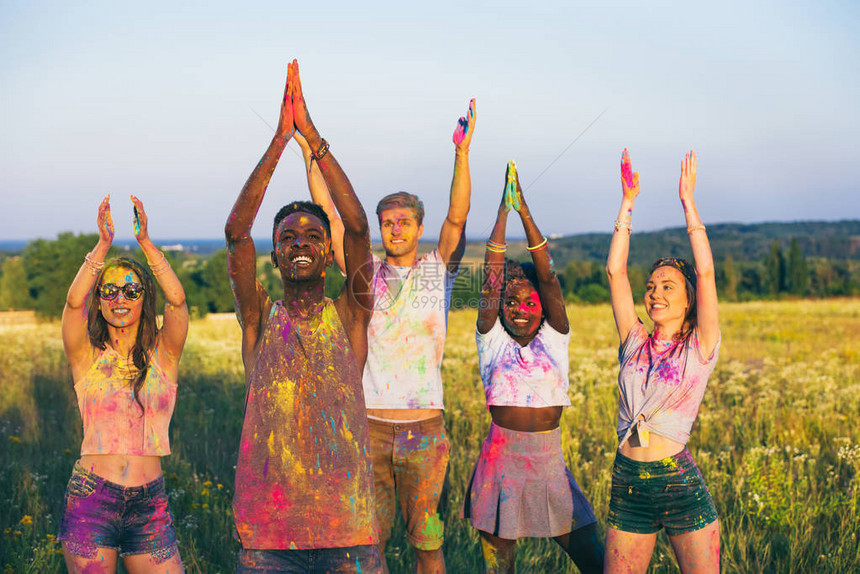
[777, 439]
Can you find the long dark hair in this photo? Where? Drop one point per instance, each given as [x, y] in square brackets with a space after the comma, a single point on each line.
[147, 330]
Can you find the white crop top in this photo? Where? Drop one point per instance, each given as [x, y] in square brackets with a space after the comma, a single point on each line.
[532, 376]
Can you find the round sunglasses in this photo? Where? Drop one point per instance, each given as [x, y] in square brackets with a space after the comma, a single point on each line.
[131, 291]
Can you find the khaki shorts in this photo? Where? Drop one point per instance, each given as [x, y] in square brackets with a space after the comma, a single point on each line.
[410, 458]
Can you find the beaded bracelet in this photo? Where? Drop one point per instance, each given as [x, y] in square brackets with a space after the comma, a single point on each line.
[693, 228]
[320, 153]
[539, 246]
[94, 266]
[619, 225]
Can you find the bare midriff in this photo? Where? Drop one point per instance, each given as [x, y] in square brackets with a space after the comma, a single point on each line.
[404, 414]
[658, 448]
[526, 419]
[127, 470]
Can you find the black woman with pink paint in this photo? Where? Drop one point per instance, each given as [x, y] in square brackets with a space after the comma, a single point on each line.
[521, 486]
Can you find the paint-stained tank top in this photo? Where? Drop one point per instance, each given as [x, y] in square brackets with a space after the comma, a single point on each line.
[113, 421]
[303, 477]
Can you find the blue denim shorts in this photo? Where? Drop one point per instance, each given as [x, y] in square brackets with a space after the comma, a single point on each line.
[130, 519]
[364, 559]
[668, 493]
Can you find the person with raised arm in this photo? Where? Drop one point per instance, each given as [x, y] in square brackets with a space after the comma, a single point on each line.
[125, 371]
[304, 486]
[521, 486]
[406, 338]
[655, 481]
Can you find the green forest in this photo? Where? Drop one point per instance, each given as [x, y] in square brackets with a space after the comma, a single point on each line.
[754, 261]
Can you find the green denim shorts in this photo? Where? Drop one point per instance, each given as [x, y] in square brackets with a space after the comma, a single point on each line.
[668, 493]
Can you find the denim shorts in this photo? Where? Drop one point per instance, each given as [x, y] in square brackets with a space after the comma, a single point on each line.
[130, 519]
[364, 559]
[668, 493]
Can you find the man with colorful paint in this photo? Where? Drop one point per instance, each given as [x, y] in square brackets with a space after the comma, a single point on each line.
[406, 339]
[304, 490]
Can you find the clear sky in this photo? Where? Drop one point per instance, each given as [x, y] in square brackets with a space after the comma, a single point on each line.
[160, 99]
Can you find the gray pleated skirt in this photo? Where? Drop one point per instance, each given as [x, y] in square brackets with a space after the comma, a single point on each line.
[521, 487]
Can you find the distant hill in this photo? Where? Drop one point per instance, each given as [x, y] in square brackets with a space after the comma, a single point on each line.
[835, 240]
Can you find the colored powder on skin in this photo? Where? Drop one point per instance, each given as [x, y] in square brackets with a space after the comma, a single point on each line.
[627, 173]
[461, 131]
[627, 169]
[94, 568]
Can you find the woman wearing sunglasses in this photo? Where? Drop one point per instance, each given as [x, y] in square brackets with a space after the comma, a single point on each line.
[655, 481]
[124, 369]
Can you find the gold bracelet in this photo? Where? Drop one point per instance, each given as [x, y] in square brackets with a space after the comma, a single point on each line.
[539, 246]
[619, 225]
[693, 228]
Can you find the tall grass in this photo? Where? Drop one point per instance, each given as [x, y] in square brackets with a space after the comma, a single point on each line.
[777, 440]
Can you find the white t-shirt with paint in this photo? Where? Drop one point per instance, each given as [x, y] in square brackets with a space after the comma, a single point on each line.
[532, 376]
[406, 334]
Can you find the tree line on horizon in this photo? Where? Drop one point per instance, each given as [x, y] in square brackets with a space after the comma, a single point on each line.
[753, 262]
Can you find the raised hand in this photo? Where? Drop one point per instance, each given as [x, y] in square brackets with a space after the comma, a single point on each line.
[105, 222]
[305, 147]
[687, 185]
[286, 126]
[513, 191]
[629, 178]
[465, 128]
[301, 117]
[140, 224]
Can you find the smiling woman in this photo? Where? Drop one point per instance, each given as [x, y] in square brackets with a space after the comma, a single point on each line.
[655, 481]
[124, 370]
[521, 486]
